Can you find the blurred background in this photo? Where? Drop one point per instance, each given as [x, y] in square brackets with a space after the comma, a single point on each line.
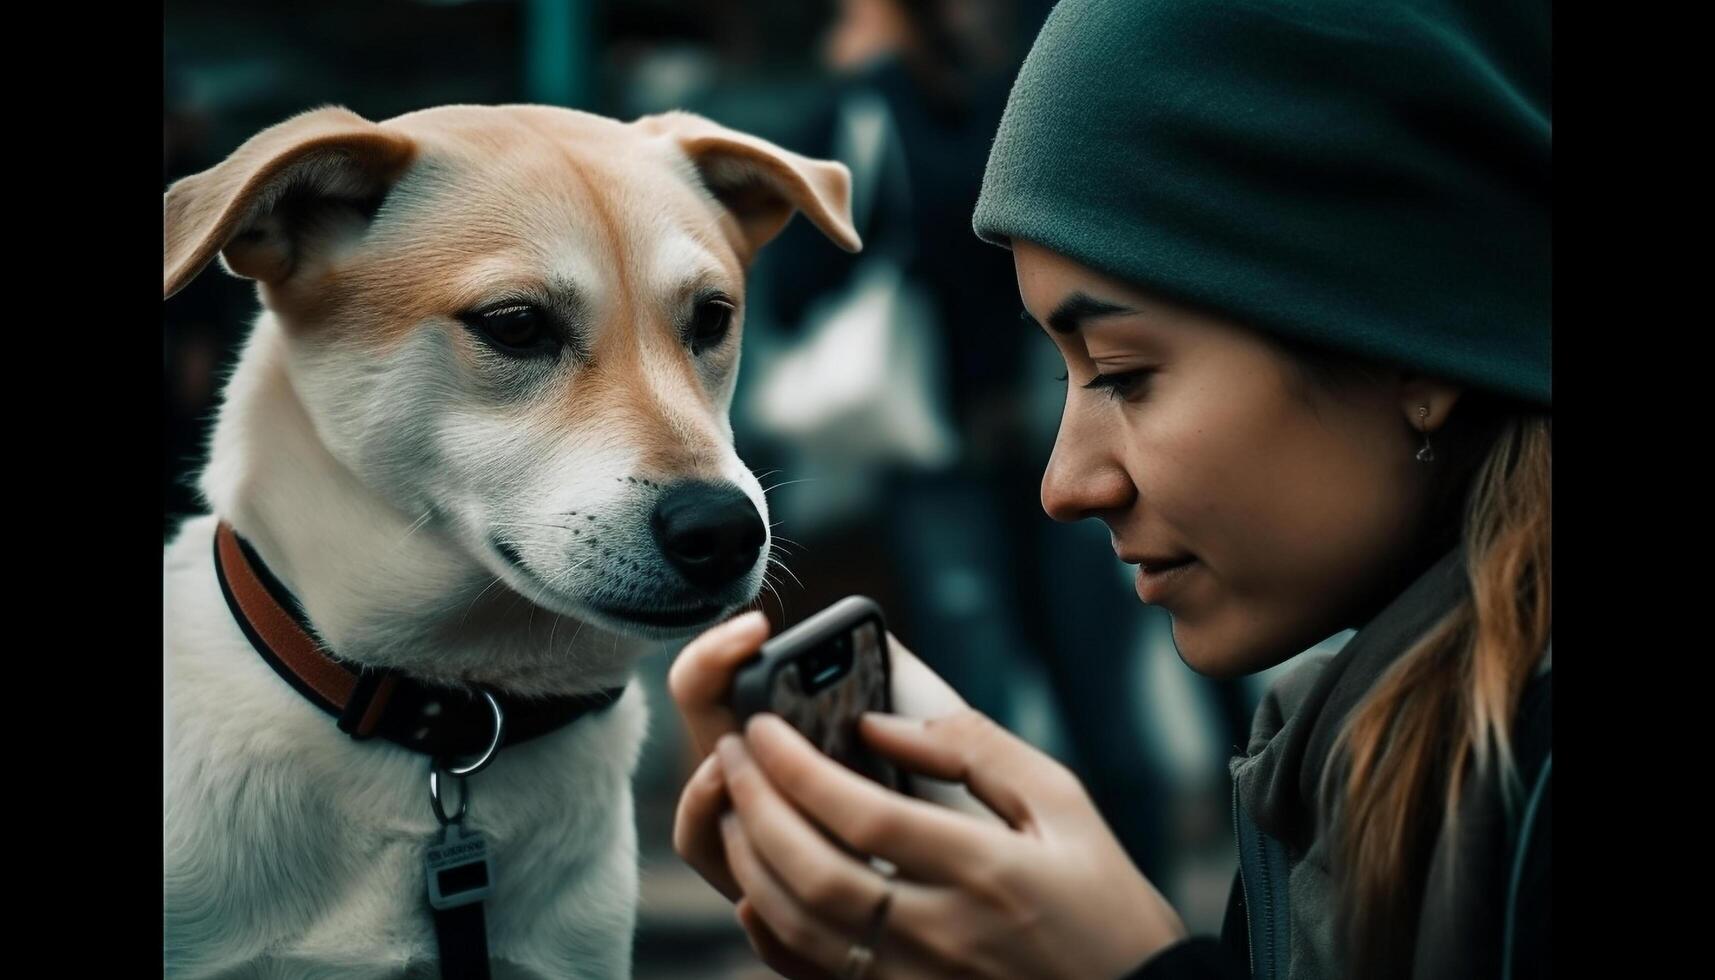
[896, 406]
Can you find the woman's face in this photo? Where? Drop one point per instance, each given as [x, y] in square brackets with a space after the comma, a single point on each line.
[1265, 515]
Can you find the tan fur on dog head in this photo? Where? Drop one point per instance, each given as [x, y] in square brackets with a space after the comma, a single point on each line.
[337, 153]
[375, 244]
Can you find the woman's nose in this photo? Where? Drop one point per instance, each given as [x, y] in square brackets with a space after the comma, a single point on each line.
[1085, 476]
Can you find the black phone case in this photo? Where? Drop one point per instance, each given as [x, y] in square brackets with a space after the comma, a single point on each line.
[753, 686]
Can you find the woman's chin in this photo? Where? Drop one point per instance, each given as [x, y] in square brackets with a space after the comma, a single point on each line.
[1205, 650]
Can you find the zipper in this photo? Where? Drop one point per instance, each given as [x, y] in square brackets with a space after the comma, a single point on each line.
[1244, 890]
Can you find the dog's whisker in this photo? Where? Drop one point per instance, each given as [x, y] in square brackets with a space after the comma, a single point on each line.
[776, 536]
[778, 601]
[565, 577]
[552, 630]
[537, 604]
[472, 604]
[808, 479]
[418, 523]
[516, 596]
[782, 566]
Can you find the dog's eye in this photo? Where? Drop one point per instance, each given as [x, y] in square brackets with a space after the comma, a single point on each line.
[520, 329]
[710, 322]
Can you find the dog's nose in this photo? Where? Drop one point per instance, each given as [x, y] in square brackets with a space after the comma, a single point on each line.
[711, 532]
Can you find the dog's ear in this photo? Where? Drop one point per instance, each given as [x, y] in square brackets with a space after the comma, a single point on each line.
[258, 207]
[759, 183]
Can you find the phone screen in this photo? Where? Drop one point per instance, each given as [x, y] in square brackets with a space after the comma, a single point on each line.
[824, 691]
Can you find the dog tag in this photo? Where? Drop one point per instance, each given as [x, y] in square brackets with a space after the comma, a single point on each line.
[458, 868]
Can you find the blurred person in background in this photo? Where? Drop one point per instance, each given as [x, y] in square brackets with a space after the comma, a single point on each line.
[919, 85]
[1296, 260]
[920, 89]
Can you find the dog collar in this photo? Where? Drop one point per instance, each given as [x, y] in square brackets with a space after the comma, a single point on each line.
[368, 702]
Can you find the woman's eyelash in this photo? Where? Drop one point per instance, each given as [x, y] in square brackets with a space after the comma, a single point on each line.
[1119, 385]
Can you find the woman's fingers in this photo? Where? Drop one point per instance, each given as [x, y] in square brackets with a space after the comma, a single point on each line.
[701, 677]
[832, 883]
[808, 942]
[696, 827]
[783, 774]
[1024, 785]
[779, 956]
[796, 942]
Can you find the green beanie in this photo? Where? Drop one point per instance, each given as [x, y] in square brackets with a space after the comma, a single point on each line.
[1370, 176]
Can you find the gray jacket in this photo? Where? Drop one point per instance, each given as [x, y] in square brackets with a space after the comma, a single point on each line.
[1286, 891]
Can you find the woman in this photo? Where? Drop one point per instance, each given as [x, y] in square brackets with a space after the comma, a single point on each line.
[1295, 256]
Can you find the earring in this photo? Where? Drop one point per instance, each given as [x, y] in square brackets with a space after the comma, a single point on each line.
[1426, 454]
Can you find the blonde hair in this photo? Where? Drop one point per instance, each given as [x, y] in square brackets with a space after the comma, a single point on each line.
[1445, 709]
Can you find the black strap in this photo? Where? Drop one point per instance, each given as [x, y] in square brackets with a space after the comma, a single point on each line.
[462, 935]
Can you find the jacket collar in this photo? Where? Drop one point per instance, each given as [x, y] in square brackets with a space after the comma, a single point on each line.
[1293, 734]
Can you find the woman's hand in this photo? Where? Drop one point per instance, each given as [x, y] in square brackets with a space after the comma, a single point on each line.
[1043, 889]
[701, 684]
[1050, 894]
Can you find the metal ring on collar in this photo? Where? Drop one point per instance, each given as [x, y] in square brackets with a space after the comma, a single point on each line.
[435, 797]
[493, 743]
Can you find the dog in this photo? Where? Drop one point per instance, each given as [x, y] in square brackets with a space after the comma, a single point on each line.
[478, 442]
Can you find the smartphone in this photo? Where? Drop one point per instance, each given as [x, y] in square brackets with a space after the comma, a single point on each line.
[821, 676]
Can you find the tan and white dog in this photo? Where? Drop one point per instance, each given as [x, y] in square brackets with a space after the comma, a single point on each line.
[480, 432]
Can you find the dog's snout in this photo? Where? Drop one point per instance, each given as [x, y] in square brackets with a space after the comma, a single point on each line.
[710, 532]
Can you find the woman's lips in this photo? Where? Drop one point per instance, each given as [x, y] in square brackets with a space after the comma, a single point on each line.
[1156, 579]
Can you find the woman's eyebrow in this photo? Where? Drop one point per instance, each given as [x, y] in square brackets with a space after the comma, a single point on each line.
[1077, 308]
